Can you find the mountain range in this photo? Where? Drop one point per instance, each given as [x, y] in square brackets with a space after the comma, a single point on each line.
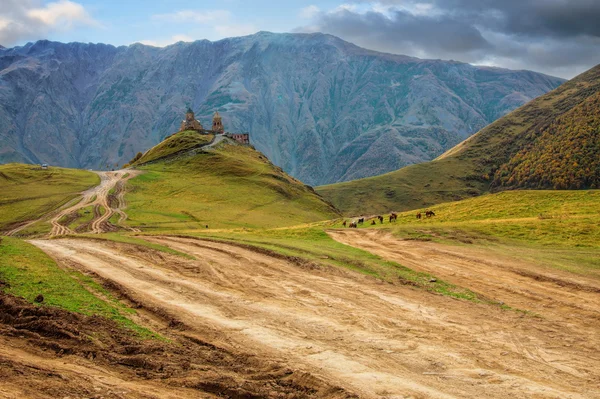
[321, 108]
[552, 142]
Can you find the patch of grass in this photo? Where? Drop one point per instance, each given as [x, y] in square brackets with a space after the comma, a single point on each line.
[229, 187]
[27, 193]
[315, 245]
[180, 141]
[114, 219]
[411, 187]
[27, 272]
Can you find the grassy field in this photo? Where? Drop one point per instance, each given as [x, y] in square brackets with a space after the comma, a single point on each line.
[558, 228]
[470, 168]
[229, 187]
[27, 272]
[27, 192]
[178, 142]
[411, 187]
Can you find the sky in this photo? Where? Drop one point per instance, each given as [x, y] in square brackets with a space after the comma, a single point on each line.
[557, 37]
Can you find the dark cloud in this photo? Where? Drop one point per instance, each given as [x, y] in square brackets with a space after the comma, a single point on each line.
[444, 35]
[554, 18]
[559, 37]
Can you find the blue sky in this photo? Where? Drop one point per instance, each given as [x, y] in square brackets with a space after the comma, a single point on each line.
[558, 37]
[122, 22]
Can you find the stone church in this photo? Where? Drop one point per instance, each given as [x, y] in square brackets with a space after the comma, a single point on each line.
[191, 123]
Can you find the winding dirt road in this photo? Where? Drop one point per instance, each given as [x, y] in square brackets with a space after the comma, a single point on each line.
[99, 198]
[369, 337]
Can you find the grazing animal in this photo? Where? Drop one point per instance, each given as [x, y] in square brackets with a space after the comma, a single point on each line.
[353, 225]
[393, 217]
[344, 223]
[419, 215]
[429, 214]
[373, 222]
[361, 220]
[380, 219]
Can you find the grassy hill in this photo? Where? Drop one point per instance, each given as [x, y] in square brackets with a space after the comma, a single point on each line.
[565, 118]
[180, 141]
[229, 186]
[28, 192]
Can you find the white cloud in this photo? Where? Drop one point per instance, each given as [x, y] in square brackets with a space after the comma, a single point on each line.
[168, 41]
[198, 16]
[64, 13]
[310, 12]
[210, 24]
[31, 20]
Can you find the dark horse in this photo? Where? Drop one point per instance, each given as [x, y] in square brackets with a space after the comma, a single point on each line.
[361, 220]
[344, 223]
[380, 219]
[353, 225]
[393, 217]
[419, 215]
[429, 214]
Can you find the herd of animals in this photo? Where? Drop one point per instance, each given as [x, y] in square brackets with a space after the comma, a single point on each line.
[393, 218]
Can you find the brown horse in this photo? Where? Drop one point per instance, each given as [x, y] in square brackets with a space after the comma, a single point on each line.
[393, 217]
[419, 216]
[344, 223]
[353, 225]
[429, 214]
[361, 220]
[380, 218]
[373, 222]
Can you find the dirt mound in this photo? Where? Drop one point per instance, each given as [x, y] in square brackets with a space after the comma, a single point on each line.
[182, 362]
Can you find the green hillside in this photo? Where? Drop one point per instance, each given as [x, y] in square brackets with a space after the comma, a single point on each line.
[180, 141]
[487, 160]
[28, 192]
[229, 186]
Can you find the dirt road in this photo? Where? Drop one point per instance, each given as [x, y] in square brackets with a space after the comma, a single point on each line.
[554, 294]
[99, 198]
[369, 337]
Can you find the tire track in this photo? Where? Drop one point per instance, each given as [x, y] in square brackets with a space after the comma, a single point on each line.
[99, 197]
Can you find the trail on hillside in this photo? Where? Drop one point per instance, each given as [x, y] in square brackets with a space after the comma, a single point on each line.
[99, 197]
[370, 337]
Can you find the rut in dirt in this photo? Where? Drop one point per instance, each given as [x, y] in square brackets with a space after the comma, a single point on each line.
[349, 330]
[105, 204]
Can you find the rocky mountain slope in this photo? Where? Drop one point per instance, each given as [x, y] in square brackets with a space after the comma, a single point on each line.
[321, 108]
[552, 142]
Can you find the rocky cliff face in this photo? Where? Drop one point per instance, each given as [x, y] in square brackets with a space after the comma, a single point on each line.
[321, 108]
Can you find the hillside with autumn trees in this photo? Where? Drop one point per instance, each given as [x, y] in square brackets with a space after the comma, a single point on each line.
[564, 155]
